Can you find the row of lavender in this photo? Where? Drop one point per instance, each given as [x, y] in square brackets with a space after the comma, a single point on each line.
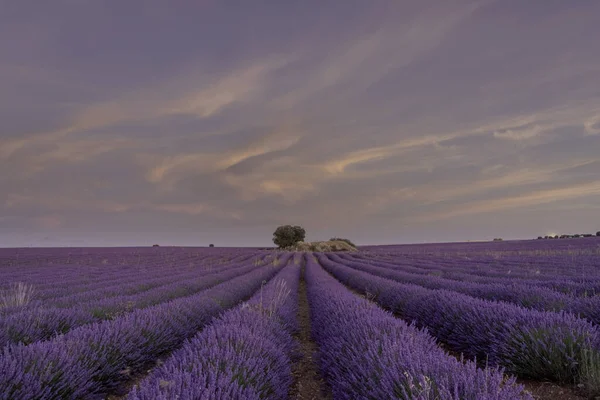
[364, 352]
[583, 246]
[245, 354]
[248, 352]
[524, 294]
[62, 289]
[102, 265]
[533, 344]
[126, 277]
[96, 358]
[122, 280]
[41, 323]
[550, 271]
[579, 285]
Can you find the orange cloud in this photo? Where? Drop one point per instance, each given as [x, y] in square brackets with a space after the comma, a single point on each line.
[525, 200]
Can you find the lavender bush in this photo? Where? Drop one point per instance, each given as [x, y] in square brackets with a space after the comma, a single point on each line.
[533, 344]
[245, 354]
[96, 357]
[365, 352]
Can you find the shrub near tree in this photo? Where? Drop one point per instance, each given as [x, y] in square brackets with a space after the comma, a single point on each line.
[288, 235]
[342, 240]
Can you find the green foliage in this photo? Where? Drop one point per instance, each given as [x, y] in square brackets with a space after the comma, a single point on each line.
[288, 235]
[589, 374]
[343, 240]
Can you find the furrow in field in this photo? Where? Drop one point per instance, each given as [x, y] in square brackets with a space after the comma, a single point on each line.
[365, 352]
[584, 280]
[36, 324]
[94, 359]
[528, 296]
[245, 354]
[583, 285]
[69, 296]
[531, 344]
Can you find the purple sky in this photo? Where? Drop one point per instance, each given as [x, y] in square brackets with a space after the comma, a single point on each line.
[196, 122]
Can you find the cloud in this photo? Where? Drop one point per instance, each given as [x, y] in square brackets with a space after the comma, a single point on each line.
[175, 167]
[353, 118]
[338, 166]
[502, 177]
[592, 125]
[353, 66]
[203, 99]
[52, 221]
[195, 209]
[63, 203]
[519, 134]
[75, 151]
[525, 200]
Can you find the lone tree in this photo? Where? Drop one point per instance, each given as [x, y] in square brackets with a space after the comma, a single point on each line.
[598, 233]
[211, 245]
[288, 235]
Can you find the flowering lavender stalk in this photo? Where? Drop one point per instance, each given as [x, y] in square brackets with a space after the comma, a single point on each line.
[245, 354]
[576, 276]
[38, 323]
[95, 358]
[529, 343]
[525, 295]
[65, 288]
[367, 353]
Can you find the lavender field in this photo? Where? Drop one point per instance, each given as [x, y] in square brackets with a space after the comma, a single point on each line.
[485, 320]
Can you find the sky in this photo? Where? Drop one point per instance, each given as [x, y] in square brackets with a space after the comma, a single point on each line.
[195, 122]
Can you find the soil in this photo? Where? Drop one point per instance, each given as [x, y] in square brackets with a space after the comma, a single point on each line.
[120, 393]
[309, 384]
[550, 391]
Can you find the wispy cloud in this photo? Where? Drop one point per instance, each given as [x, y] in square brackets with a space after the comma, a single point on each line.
[348, 117]
[592, 125]
[521, 201]
[202, 100]
[519, 134]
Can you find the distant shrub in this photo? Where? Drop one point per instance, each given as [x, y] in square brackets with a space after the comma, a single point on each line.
[343, 240]
[288, 235]
[17, 295]
[598, 233]
[539, 237]
[155, 245]
[497, 239]
[211, 245]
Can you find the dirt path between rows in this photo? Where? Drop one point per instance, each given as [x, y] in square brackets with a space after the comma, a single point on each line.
[309, 384]
[538, 389]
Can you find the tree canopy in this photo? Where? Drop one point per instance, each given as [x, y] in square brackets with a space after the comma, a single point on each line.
[288, 235]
